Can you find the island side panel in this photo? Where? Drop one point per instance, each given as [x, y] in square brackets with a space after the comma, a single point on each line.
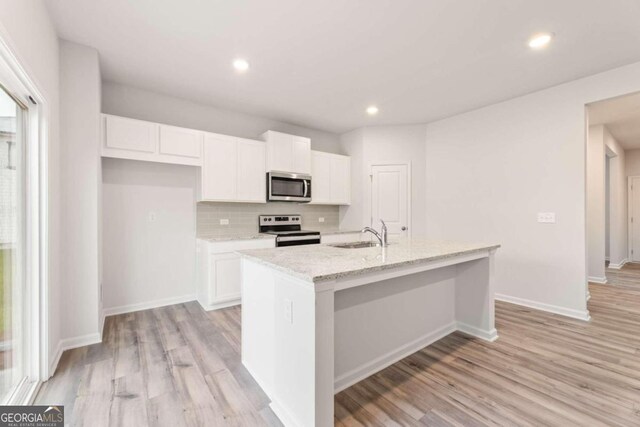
[258, 323]
[304, 357]
[380, 323]
[475, 302]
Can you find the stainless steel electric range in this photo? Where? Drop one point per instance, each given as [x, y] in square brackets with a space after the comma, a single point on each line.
[288, 230]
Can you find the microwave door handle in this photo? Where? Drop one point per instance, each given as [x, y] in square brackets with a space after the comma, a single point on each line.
[306, 187]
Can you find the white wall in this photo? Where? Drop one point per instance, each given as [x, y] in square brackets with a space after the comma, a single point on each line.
[81, 177]
[384, 145]
[596, 208]
[490, 171]
[618, 237]
[148, 259]
[26, 28]
[141, 104]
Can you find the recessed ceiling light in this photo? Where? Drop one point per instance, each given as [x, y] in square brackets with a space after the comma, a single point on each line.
[538, 41]
[241, 65]
[372, 110]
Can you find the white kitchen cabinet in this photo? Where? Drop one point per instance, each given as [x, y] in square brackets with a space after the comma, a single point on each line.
[320, 177]
[219, 168]
[132, 139]
[180, 145]
[330, 178]
[340, 180]
[233, 170]
[287, 153]
[128, 137]
[219, 270]
[252, 182]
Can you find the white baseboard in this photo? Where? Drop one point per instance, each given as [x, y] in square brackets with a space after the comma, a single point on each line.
[619, 265]
[358, 374]
[563, 311]
[600, 280]
[283, 415]
[129, 308]
[479, 333]
[223, 304]
[56, 359]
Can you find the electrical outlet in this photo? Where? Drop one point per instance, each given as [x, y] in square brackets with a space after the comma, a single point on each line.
[152, 216]
[547, 217]
[224, 222]
[321, 219]
[288, 310]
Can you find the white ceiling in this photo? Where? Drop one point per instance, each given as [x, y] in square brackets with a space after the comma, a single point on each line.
[621, 116]
[320, 63]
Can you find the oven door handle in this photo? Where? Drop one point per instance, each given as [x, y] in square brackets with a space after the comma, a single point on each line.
[297, 238]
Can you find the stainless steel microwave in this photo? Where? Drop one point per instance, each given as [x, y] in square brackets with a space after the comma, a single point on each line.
[288, 187]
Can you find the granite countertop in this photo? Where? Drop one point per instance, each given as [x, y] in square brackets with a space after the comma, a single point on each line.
[256, 235]
[317, 263]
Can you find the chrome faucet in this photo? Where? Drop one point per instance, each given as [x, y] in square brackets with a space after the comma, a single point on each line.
[382, 236]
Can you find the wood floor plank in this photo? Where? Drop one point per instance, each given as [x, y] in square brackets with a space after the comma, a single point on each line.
[180, 366]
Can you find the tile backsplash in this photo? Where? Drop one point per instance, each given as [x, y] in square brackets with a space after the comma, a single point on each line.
[243, 217]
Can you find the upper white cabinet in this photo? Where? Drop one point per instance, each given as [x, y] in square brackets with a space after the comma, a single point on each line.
[126, 138]
[180, 142]
[330, 178]
[233, 169]
[287, 153]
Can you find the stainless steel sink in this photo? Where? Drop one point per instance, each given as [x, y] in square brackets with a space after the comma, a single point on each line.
[356, 245]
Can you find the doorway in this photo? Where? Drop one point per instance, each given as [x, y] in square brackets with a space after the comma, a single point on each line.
[390, 202]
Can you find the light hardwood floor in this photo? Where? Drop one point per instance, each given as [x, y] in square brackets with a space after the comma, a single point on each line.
[179, 365]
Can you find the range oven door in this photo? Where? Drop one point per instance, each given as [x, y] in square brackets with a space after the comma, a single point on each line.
[288, 187]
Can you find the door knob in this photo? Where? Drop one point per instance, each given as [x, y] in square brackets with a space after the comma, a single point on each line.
[404, 228]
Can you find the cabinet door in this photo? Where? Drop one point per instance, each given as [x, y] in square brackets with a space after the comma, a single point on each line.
[251, 175]
[301, 155]
[181, 143]
[130, 135]
[225, 277]
[279, 151]
[219, 168]
[340, 180]
[320, 177]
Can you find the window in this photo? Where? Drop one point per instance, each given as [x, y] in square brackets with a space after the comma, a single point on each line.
[12, 245]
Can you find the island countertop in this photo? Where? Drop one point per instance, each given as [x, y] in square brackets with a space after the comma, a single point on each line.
[317, 263]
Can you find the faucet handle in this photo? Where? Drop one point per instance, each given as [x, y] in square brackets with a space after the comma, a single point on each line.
[384, 226]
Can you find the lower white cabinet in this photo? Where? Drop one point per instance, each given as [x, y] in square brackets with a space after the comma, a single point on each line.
[219, 271]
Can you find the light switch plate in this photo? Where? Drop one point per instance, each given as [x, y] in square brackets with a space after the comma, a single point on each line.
[321, 219]
[288, 310]
[547, 217]
[224, 222]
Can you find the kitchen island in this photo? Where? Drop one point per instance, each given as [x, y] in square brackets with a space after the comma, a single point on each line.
[318, 318]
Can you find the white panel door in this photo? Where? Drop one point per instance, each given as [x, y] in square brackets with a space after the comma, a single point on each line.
[301, 155]
[180, 142]
[340, 180]
[389, 198]
[131, 135]
[634, 211]
[320, 177]
[252, 183]
[219, 168]
[225, 277]
[279, 151]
